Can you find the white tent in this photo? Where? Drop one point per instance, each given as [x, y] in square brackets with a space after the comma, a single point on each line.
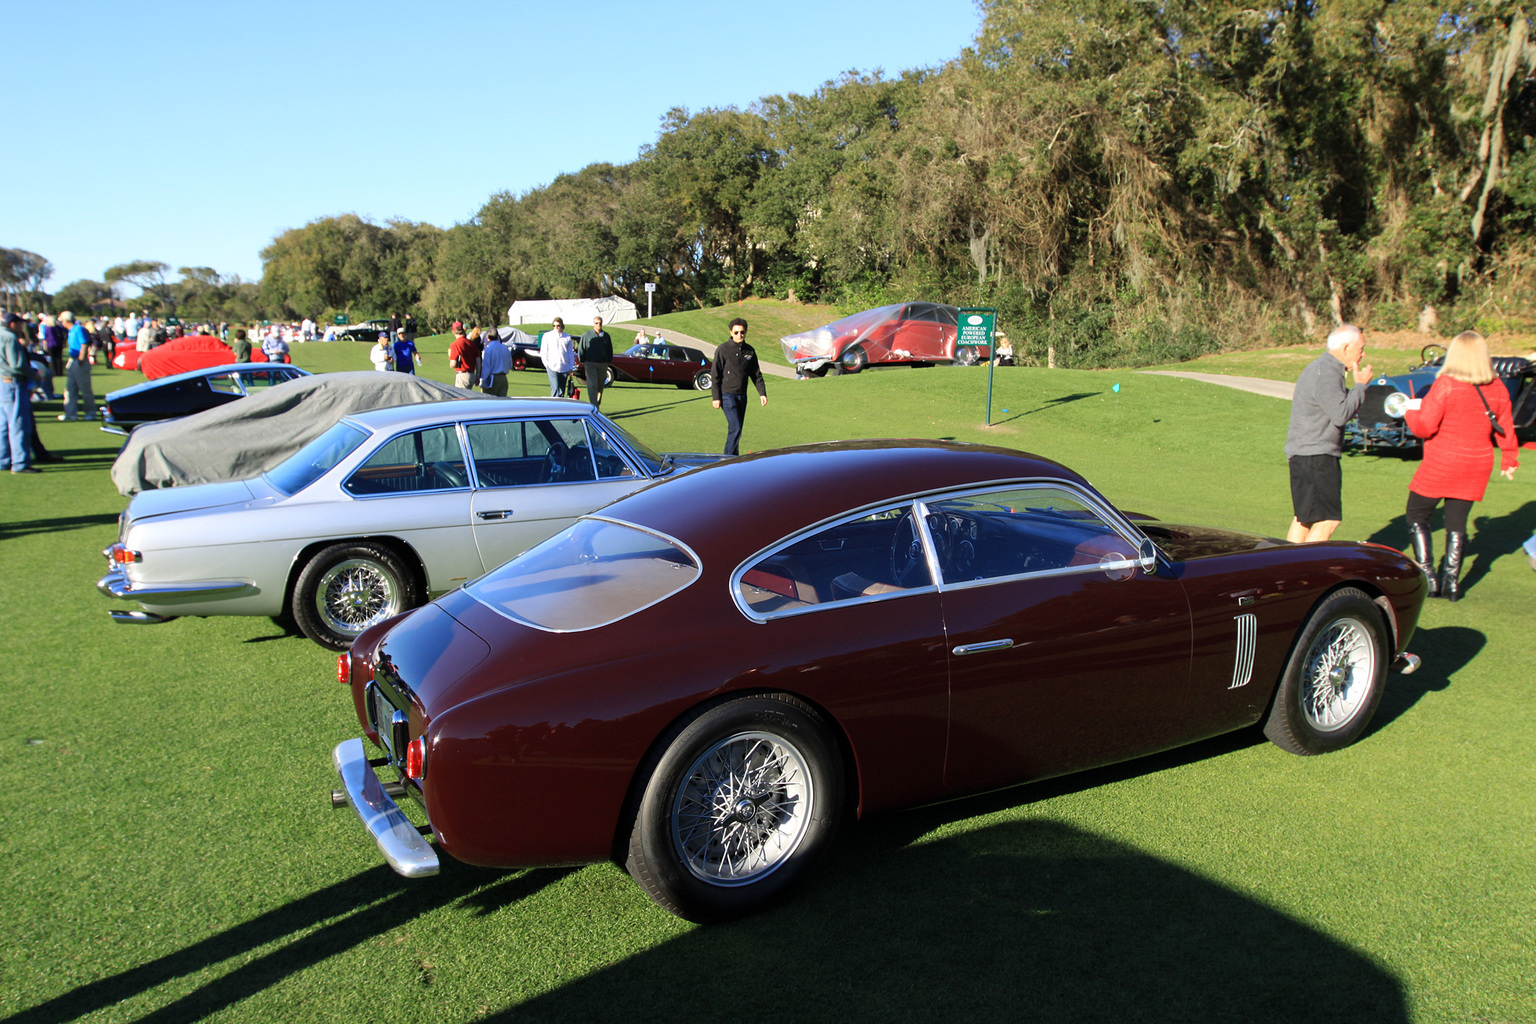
[575, 312]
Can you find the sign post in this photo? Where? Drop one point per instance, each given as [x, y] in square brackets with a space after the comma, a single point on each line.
[976, 332]
[650, 293]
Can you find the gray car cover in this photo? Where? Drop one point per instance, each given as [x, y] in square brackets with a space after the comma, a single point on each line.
[246, 438]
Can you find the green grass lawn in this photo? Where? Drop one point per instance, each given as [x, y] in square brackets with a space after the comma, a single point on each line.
[172, 856]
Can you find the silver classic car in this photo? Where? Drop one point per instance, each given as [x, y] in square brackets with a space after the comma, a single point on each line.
[381, 512]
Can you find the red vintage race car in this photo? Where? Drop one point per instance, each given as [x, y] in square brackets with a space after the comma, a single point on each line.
[702, 682]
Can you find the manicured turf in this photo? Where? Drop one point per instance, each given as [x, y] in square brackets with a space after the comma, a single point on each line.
[171, 854]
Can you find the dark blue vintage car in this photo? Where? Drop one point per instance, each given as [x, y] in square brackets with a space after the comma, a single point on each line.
[1379, 423]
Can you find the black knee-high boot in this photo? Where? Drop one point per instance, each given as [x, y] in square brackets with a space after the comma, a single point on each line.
[1423, 543]
[1450, 575]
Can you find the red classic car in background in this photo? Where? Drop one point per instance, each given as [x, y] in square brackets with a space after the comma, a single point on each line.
[917, 333]
[179, 355]
[701, 681]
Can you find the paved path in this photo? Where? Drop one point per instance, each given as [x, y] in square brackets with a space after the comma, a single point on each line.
[769, 369]
[1257, 385]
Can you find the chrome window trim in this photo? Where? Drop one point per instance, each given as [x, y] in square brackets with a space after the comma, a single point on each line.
[1121, 526]
[918, 503]
[458, 431]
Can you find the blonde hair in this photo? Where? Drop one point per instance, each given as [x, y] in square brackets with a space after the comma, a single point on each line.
[1466, 359]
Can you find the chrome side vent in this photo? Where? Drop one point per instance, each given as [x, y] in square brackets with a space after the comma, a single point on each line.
[1247, 638]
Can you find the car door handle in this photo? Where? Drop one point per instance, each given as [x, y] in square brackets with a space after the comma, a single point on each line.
[984, 647]
[500, 513]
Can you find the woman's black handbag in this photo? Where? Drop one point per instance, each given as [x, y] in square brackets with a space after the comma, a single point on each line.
[1493, 421]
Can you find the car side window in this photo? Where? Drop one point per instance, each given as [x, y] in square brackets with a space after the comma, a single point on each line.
[871, 556]
[610, 464]
[225, 384]
[520, 453]
[256, 380]
[422, 460]
[1021, 530]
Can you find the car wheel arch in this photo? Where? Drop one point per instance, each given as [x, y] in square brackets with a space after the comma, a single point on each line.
[1388, 622]
[399, 547]
[635, 791]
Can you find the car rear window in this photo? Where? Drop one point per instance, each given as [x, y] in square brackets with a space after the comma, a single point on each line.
[595, 572]
[315, 459]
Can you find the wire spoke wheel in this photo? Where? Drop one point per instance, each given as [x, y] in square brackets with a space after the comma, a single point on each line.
[742, 809]
[355, 594]
[1337, 678]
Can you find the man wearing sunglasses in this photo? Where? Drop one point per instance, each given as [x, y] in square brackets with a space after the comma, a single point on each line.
[735, 364]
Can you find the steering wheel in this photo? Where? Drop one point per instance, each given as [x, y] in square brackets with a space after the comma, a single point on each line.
[554, 463]
[1429, 353]
[908, 565]
[450, 475]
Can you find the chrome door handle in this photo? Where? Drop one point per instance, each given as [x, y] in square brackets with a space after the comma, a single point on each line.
[984, 647]
[500, 513]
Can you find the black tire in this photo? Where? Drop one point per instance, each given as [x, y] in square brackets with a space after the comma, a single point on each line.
[704, 380]
[1334, 678]
[348, 587]
[853, 359]
[767, 785]
[608, 377]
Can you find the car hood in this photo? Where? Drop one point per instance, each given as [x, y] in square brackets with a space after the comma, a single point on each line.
[193, 498]
[1182, 543]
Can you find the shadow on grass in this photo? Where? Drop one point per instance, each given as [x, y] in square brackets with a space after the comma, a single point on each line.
[1051, 404]
[310, 930]
[1492, 536]
[1446, 650]
[29, 526]
[645, 410]
[1031, 920]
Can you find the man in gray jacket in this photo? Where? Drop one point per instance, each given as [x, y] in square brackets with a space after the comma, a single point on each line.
[1320, 407]
[15, 400]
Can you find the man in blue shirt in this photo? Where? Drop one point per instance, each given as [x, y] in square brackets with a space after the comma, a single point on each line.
[405, 352]
[77, 373]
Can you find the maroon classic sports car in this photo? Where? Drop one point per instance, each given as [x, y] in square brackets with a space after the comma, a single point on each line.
[701, 681]
[661, 362]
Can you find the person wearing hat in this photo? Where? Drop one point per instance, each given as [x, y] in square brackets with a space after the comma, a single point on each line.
[15, 400]
[405, 352]
[77, 373]
[380, 355]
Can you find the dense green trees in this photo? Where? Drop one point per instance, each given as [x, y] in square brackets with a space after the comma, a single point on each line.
[1124, 181]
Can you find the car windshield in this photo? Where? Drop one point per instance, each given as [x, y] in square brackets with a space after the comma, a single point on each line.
[592, 574]
[311, 462]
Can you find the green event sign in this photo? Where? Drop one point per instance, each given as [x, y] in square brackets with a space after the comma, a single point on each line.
[339, 320]
[171, 321]
[976, 327]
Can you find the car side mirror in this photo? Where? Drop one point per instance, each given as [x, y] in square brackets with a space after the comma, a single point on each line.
[1146, 556]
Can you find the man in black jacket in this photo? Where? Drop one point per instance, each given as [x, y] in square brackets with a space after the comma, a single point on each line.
[596, 354]
[735, 364]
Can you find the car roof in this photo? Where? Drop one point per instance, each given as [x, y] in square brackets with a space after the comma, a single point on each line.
[734, 507]
[425, 413]
[208, 371]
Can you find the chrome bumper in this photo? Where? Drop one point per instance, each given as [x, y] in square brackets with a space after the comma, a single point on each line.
[402, 845]
[117, 584]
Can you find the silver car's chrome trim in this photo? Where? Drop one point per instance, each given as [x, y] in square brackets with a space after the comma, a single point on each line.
[403, 847]
[128, 618]
[117, 584]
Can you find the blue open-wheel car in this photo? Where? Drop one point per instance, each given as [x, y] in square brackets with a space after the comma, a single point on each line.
[1379, 423]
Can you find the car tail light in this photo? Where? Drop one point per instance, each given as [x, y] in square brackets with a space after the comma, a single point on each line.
[344, 668]
[416, 758]
[120, 554]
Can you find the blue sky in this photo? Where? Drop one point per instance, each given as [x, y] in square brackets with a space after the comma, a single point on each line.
[193, 133]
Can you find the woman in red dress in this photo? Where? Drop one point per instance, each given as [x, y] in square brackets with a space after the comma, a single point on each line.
[1458, 453]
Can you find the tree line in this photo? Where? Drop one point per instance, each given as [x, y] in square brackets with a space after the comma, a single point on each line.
[1124, 182]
